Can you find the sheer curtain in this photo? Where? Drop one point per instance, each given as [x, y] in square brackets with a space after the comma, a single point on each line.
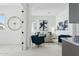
[75, 29]
[76, 32]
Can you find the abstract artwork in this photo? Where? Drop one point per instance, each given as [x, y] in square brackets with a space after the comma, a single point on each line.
[43, 25]
[62, 25]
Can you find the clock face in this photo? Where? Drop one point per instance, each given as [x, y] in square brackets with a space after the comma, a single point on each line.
[14, 23]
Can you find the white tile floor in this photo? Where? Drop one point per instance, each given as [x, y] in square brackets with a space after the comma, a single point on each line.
[48, 49]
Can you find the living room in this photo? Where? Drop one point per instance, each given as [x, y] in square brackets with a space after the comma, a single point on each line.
[52, 22]
[35, 27]
[52, 15]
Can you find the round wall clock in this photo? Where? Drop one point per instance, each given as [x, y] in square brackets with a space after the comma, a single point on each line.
[14, 23]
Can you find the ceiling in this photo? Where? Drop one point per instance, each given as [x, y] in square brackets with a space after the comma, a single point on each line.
[48, 8]
[42, 8]
[11, 4]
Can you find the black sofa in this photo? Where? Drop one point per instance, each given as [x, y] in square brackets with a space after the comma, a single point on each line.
[62, 36]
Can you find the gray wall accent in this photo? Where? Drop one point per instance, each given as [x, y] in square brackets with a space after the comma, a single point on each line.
[69, 49]
[74, 12]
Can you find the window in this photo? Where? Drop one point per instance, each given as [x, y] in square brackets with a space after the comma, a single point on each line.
[2, 19]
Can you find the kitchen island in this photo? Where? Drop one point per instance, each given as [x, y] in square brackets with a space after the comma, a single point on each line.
[69, 47]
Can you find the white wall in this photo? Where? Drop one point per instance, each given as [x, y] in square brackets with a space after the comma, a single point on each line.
[64, 15]
[8, 36]
[60, 11]
[51, 22]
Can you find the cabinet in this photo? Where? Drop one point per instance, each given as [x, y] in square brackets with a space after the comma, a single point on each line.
[74, 12]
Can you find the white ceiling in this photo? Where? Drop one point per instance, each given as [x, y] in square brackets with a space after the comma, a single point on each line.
[48, 8]
[42, 8]
[11, 4]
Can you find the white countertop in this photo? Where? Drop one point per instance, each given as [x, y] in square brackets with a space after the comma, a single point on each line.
[70, 40]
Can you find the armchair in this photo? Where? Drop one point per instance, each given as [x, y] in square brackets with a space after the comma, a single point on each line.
[37, 39]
